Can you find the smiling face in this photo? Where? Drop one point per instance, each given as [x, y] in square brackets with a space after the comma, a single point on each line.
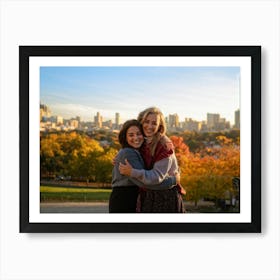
[134, 137]
[151, 125]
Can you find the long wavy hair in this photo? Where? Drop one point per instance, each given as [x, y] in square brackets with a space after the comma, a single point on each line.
[161, 129]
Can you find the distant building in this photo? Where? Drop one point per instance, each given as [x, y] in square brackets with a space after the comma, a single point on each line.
[117, 120]
[212, 120]
[237, 119]
[191, 125]
[58, 120]
[98, 120]
[215, 123]
[173, 121]
[74, 123]
[222, 124]
[45, 112]
[204, 127]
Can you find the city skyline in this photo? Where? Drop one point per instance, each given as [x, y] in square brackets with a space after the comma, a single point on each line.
[191, 92]
[113, 119]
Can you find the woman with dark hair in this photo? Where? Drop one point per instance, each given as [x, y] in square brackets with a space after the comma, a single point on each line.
[124, 194]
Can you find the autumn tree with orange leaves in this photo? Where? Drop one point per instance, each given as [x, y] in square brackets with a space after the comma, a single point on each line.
[208, 173]
[75, 155]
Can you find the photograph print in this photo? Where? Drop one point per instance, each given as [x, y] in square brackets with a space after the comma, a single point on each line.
[144, 137]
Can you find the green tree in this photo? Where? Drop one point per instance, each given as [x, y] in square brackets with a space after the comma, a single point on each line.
[104, 166]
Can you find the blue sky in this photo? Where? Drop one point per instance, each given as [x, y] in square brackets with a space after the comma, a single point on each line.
[190, 92]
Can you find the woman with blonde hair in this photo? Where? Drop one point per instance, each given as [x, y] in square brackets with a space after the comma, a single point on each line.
[160, 162]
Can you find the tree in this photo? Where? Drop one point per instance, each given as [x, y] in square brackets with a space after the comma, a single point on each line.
[75, 155]
[51, 156]
[104, 166]
[208, 173]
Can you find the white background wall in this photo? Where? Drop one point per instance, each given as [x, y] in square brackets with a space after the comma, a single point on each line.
[139, 256]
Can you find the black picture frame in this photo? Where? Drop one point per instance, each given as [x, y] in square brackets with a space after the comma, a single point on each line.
[252, 52]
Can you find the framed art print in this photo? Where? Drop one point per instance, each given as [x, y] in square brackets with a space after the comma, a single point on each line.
[74, 101]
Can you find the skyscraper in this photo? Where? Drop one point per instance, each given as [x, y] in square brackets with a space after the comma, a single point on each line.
[117, 120]
[212, 120]
[237, 119]
[98, 120]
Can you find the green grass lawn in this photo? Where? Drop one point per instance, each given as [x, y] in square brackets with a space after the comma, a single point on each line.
[80, 194]
[48, 193]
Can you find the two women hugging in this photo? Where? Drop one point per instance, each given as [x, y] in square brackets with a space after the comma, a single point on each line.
[146, 175]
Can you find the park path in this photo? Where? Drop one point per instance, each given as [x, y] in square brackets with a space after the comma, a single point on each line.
[74, 207]
[92, 207]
